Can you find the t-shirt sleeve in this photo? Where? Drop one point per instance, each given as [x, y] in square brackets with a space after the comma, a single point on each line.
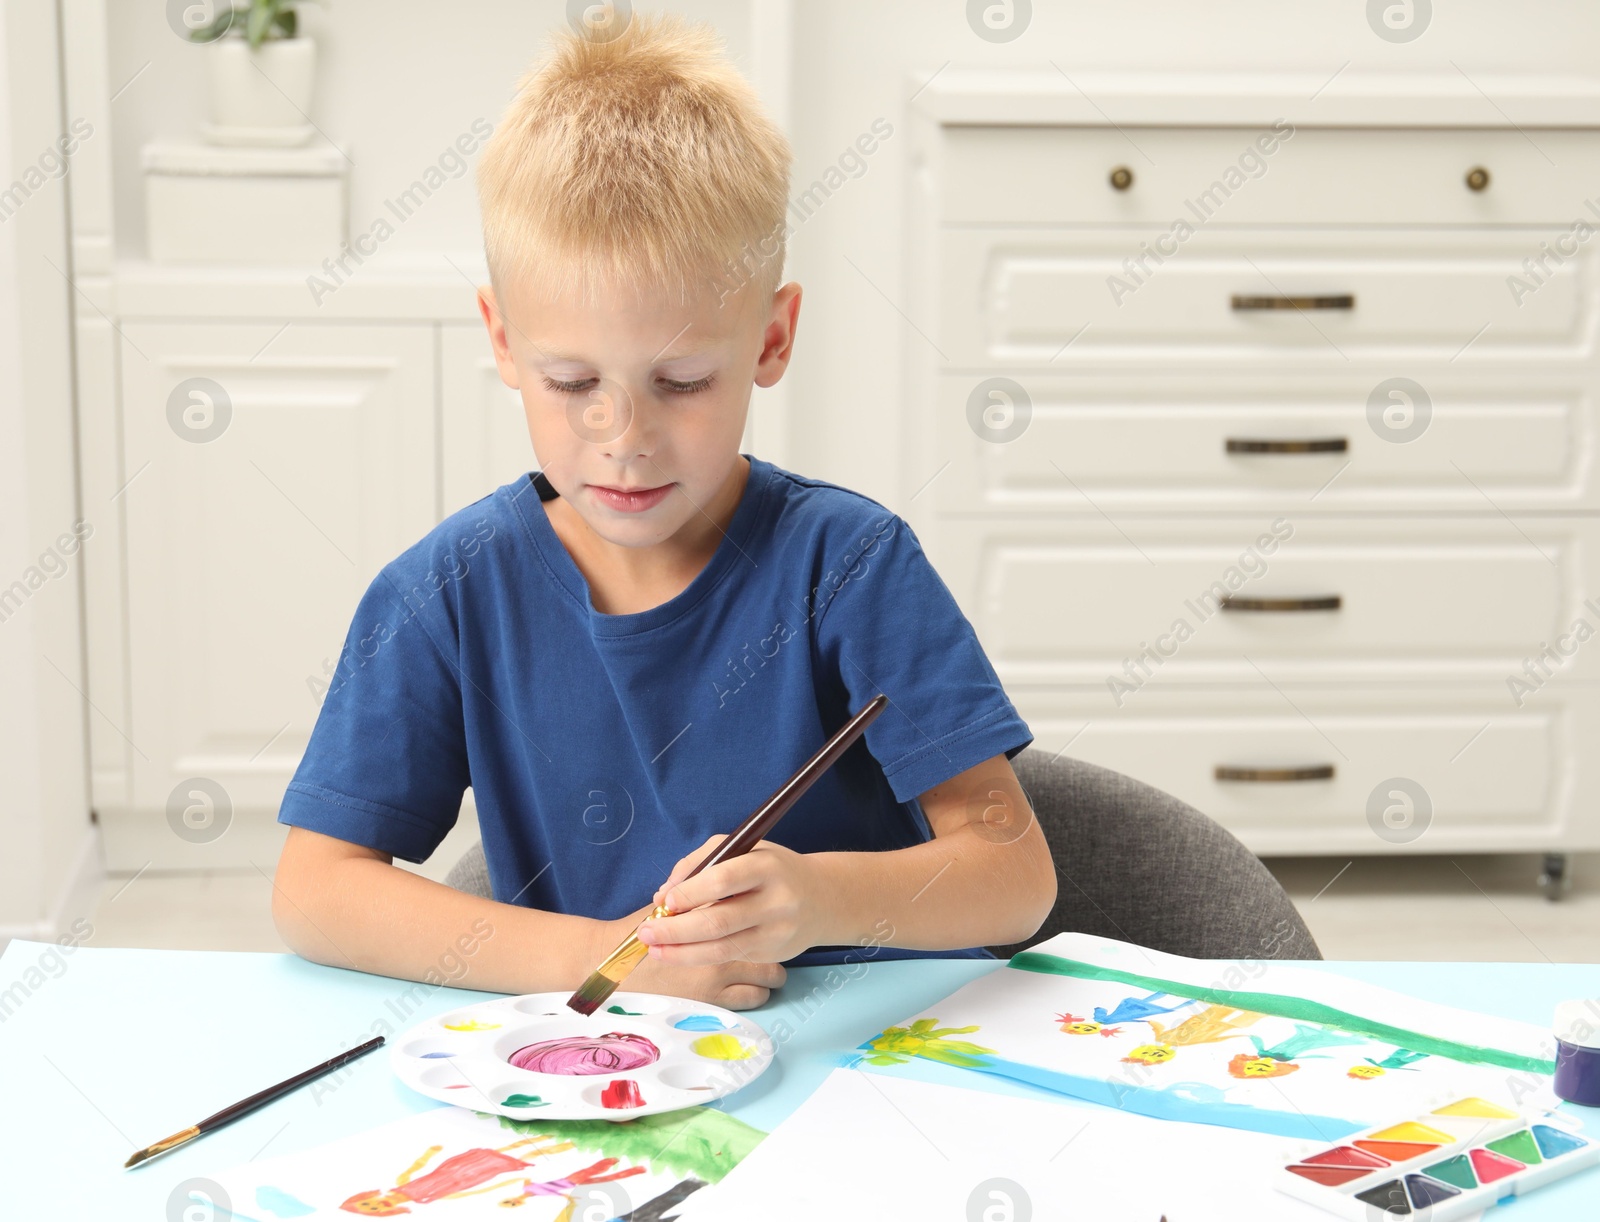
[891, 625]
[386, 766]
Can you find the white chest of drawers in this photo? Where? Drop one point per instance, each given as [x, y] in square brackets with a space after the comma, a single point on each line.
[1257, 438]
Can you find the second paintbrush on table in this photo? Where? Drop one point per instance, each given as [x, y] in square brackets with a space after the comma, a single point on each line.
[603, 981]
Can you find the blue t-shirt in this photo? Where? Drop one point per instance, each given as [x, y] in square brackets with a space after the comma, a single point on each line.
[602, 748]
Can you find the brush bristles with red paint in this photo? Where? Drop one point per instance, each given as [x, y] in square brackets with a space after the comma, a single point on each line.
[603, 981]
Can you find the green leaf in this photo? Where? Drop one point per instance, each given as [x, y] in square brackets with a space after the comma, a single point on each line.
[285, 21]
[259, 21]
[215, 29]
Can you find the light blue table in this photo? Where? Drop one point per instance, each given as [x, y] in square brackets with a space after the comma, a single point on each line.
[104, 1051]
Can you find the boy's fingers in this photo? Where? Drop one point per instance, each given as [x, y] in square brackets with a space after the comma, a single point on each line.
[767, 975]
[720, 882]
[713, 921]
[700, 954]
[741, 997]
[681, 870]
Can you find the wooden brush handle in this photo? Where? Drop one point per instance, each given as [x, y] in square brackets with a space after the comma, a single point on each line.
[751, 831]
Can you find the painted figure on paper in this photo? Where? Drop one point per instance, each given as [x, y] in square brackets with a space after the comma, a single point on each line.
[460, 1175]
[1073, 1025]
[1279, 1060]
[1400, 1058]
[1138, 1009]
[1209, 1026]
[595, 1173]
[896, 1045]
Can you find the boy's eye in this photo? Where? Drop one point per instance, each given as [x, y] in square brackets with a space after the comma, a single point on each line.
[687, 388]
[677, 388]
[565, 388]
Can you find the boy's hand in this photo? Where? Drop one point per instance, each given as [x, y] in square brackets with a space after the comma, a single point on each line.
[762, 907]
[733, 986]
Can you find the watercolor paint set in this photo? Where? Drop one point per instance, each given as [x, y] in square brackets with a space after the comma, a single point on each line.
[532, 1056]
[1450, 1162]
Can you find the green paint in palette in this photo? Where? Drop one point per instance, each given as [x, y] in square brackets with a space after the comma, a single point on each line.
[1519, 1146]
[1456, 1171]
[523, 1101]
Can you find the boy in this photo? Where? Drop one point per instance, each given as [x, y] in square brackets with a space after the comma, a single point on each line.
[624, 652]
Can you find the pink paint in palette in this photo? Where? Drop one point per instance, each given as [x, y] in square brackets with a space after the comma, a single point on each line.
[1451, 1162]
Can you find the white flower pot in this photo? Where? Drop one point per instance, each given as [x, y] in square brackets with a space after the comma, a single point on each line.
[261, 97]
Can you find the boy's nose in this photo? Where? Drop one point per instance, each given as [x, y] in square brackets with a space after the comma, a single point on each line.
[608, 415]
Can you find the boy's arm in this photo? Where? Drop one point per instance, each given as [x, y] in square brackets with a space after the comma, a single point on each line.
[985, 879]
[346, 905]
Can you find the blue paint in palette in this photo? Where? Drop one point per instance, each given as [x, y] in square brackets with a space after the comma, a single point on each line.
[1553, 1142]
[701, 1022]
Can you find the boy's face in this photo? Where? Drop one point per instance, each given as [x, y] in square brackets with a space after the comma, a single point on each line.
[630, 395]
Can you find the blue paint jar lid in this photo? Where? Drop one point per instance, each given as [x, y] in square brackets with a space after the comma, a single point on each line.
[1578, 1022]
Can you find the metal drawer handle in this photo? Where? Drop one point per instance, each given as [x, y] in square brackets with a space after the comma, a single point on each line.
[1315, 772]
[1333, 301]
[1477, 178]
[1324, 602]
[1312, 445]
[1122, 178]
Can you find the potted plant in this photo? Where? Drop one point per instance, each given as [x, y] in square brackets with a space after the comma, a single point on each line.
[261, 74]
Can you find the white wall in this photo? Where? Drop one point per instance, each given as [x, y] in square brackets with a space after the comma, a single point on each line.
[47, 859]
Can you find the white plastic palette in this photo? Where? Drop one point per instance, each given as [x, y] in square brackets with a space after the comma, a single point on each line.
[639, 1054]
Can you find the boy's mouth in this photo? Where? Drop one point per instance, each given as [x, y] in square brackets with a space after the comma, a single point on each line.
[630, 500]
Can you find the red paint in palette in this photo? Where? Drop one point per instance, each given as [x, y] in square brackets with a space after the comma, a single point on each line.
[1331, 1176]
[622, 1093]
[1347, 1156]
[1491, 1166]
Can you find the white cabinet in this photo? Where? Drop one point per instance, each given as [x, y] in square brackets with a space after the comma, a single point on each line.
[270, 472]
[1147, 349]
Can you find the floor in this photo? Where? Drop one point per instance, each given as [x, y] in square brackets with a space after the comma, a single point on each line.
[1424, 908]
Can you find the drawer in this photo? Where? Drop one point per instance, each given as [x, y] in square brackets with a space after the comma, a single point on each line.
[1058, 175]
[1139, 603]
[1239, 440]
[1474, 777]
[1015, 297]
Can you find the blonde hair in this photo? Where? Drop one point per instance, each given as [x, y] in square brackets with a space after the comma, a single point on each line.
[639, 158]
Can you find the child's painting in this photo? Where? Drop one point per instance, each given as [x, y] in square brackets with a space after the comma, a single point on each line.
[450, 1163]
[1248, 1044]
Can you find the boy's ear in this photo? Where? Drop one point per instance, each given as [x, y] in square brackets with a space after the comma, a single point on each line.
[777, 336]
[495, 322]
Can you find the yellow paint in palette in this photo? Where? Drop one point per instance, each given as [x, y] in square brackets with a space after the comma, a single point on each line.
[1412, 1131]
[723, 1048]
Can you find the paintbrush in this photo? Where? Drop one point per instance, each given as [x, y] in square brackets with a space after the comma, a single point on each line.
[603, 981]
[245, 1106]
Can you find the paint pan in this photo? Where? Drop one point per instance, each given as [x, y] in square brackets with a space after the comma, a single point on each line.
[533, 1057]
[1453, 1161]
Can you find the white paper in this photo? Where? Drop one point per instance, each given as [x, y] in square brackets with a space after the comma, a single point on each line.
[871, 1146]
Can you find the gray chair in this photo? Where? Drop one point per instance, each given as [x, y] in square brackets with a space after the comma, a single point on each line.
[1133, 863]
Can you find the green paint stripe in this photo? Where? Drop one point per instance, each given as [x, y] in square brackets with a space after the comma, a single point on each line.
[1288, 1007]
